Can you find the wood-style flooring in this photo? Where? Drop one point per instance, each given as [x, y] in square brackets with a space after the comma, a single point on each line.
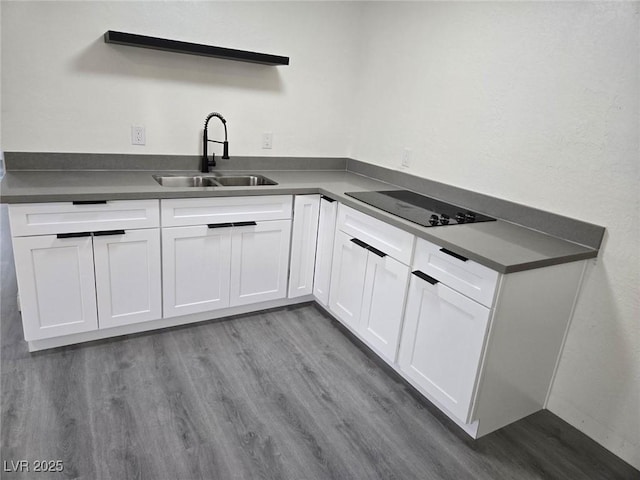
[282, 394]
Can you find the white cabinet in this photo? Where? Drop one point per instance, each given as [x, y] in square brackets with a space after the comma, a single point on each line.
[385, 286]
[442, 342]
[445, 326]
[347, 280]
[304, 235]
[196, 265]
[259, 262]
[234, 261]
[367, 293]
[181, 212]
[77, 274]
[127, 268]
[56, 285]
[82, 216]
[391, 240]
[458, 272]
[368, 286]
[324, 249]
[481, 345]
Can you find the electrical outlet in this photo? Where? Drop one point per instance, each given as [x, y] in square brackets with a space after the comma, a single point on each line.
[406, 158]
[138, 136]
[267, 140]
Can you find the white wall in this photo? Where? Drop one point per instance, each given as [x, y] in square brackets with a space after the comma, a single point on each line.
[1, 149]
[537, 103]
[65, 90]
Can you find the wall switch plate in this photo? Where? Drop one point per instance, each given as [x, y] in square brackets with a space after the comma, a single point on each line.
[138, 136]
[406, 158]
[267, 140]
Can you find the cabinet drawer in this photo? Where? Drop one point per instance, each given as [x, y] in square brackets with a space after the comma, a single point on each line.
[198, 211]
[391, 240]
[466, 276]
[67, 217]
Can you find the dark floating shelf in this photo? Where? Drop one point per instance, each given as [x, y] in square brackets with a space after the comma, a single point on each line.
[134, 40]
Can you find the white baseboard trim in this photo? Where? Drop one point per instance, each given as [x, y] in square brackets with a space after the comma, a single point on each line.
[37, 345]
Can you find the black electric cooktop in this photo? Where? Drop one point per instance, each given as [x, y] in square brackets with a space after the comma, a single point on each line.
[420, 209]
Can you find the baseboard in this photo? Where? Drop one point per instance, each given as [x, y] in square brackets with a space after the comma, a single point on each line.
[36, 345]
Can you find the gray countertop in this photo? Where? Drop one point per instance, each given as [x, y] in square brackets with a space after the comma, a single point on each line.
[500, 245]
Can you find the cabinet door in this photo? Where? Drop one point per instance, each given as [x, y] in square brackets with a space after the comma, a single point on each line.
[196, 268]
[259, 262]
[56, 284]
[385, 287]
[303, 244]
[127, 266]
[442, 343]
[347, 280]
[324, 251]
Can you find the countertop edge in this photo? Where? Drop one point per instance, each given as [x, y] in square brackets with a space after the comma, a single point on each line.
[420, 232]
[151, 195]
[522, 267]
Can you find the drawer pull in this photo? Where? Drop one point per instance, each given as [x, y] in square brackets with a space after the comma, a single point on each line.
[73, 235]
[244, 224]
[377, 252]
[454, 255]
[360, 243]
[220, 225]
[328, 199]
[89, 202]
[425, 277]
[104, 233]
[366, 246]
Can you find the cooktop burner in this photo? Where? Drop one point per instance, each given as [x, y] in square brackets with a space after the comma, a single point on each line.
[416, 208]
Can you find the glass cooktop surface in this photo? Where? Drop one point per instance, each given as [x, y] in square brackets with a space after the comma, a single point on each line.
[420, 209]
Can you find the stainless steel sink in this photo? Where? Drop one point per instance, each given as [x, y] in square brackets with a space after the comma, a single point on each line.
[244, 180]
[185, 180]
[212, 180]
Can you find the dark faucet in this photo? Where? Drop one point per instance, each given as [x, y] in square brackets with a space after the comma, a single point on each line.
[206, 163]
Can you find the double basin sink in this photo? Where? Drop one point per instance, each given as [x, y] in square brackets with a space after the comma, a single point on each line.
[213, 180]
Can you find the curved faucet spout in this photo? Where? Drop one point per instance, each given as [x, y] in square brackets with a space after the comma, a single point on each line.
[206, 163]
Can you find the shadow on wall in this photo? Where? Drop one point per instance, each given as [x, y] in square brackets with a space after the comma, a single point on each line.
[597, 376]
[125, 61]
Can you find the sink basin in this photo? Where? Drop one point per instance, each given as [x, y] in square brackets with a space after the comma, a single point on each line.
[244, 180]
[185, 180]
[212, 180]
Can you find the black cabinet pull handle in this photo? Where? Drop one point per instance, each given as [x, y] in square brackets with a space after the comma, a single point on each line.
[89, 202]
[244, 224]
[360, 243]
[454, 254]
[104, 233]
[328, 199]
[379, 253]
[73, 235]
[234, 224]
[366, 246]
[425, 277]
